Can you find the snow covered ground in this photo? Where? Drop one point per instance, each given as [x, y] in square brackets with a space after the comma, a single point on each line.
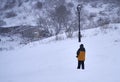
[56, 61]
[9, 43]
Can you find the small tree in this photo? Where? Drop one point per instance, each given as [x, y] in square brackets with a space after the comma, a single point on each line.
[59, 16]
[69, 32]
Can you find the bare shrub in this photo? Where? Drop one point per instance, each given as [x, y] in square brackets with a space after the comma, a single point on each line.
[69, 33]
[103, 21]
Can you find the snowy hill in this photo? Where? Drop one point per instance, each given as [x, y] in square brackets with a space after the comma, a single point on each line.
[55, 61]
[26, 18]
[27, 12]
[30, 16]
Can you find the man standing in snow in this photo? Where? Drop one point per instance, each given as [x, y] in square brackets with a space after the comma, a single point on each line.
[81, 56]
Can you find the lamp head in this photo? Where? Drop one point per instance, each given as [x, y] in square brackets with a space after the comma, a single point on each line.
[79, 7]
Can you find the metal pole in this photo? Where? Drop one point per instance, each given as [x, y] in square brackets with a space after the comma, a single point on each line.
[79, 33]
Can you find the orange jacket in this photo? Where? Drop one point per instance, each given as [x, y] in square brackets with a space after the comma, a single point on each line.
[81, 56]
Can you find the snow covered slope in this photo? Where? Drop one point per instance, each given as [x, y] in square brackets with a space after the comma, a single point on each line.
[25, 12]
[56, 61]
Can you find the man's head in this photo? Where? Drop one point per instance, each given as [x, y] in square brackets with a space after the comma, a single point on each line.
[81, 45]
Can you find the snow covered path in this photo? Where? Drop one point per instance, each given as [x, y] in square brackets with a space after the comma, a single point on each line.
[56, 61]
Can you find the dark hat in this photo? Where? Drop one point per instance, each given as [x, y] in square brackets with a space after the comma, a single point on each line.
[81, 45]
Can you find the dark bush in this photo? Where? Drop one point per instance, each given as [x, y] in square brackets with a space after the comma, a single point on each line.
[103, 13]
[10, 4]
[70, 4]
[92, 15]
[35, 33]
[10, 14]
[118, 12]
[38, 5]
[2, 23]
[115, 19]
[103, 21]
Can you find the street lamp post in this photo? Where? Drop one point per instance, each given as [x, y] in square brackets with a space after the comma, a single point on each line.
[79, 7]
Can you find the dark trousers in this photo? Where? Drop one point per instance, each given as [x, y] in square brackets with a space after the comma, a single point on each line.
[80, 63]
